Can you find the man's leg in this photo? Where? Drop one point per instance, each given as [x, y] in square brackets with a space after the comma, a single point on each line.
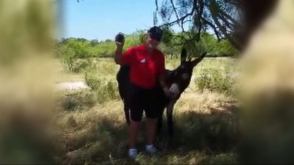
[152, 114]
[132, 138]
[150, 130]
[150, 133]
[133, 133]
[136, 112]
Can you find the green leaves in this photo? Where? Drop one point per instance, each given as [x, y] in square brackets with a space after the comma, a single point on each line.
[75, 51]
[218, 15]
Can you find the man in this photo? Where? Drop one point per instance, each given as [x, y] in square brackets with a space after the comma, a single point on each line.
[147, 65]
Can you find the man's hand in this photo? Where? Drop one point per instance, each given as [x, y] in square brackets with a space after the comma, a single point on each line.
[165, 88]
[120, 40]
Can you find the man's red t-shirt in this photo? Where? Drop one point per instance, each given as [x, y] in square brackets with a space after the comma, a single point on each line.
[145, 67]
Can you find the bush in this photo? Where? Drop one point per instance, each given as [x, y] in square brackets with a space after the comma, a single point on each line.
[92, 80]
[106, 90]
[78, 65]
[215, 81]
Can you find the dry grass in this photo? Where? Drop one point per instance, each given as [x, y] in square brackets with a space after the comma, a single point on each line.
[205, 128]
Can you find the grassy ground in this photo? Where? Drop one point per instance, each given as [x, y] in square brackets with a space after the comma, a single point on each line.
[92, 127]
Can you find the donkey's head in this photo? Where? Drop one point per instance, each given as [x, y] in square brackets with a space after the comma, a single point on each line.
[182, 75]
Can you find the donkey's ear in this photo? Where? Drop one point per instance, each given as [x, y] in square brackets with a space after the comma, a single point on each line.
[183, 54]
[199, 59]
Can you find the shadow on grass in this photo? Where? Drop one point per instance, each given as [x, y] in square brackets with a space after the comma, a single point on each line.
[73, 100]
[200, 138]
[213, 133]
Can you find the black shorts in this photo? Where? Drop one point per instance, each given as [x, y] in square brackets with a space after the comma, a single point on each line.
[142, 99]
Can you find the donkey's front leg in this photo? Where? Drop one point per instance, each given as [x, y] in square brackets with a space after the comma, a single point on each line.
[169, 113]
[159, 125]
[159, 120]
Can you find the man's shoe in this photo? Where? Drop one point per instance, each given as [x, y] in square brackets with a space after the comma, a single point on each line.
[133, 153]
[151, 149]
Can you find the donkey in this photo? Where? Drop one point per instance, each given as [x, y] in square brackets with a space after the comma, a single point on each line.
[177, 79]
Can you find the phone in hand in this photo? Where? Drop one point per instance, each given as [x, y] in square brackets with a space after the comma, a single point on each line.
[119, 38]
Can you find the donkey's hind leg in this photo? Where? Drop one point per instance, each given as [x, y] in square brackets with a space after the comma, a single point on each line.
[159, 126]
[127, 112]
[123, 96]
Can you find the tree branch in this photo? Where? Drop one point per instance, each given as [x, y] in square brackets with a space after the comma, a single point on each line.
[222, 29]
[176, 13]
[227, 23]
[213, 27]
[199, 14]
[156, 4]
[229, 17]
[180, 19]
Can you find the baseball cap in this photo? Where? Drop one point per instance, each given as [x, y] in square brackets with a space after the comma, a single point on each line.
[155, 32]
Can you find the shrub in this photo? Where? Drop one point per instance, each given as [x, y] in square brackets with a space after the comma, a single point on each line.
[106, 90]
[214, 80]
[78, 65]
